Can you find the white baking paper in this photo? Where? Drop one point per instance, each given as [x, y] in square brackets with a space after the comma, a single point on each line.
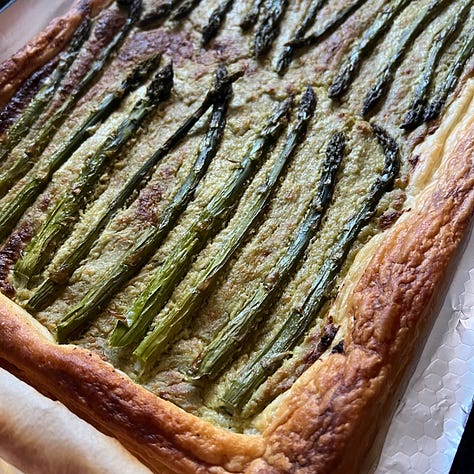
[25, 18]
[429, 421]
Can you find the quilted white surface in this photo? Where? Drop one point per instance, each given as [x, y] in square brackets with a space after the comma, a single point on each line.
[428, 424]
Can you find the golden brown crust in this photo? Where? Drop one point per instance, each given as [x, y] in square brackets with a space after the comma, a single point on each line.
[43, 47]
[335, 406]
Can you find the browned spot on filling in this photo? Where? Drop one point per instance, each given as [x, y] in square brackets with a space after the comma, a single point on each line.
[315, 346]
[179, 45]
[10, 253]
[388, 218]
[147, 203]
[338, 348]
[107, 27]
[325, 340]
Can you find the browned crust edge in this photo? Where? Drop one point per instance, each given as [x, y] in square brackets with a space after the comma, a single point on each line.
[156, 431]
[43, 47]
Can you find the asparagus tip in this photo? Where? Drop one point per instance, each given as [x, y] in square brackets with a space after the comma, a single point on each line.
[433, 110]
[412, 119]
[308, 102]
[284, 61]
[162, 83]
[133, 6]
[295, 43]
[335, 91]
[154, 18]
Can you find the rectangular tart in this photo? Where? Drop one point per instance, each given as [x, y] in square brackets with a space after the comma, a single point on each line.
[225, 225]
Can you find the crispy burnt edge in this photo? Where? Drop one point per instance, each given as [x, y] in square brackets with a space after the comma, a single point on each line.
[43, 47]
[332, 415]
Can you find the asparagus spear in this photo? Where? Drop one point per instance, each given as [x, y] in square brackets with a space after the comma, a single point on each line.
[408, 37]
[185, 9]
[226, 344]
[39, 142]
[415, 114]
[169, 325]
[268, 359]
[307, 22]
[37, 184]
[22, 126]
[452, 78]
[252, 15]
[60, 277]
[269, 27]
[66, 211]
[208, 223]
[121, 335]
[328, 28]
[144, 247]
[160, 11]
[318, 341]
[377, 30]
[215, 21]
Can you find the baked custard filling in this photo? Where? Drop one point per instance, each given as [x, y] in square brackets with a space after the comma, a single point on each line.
[187, 188]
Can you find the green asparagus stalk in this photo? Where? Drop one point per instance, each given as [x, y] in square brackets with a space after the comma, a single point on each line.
[269, 27]
[415, 114]
[268, 359]
[225, 345]
[169, 325]
[122, 336]
[185, 9]
[385, 78]
[452, 78]
[48, 129]
[369, 39]
[160, 12]
[251, 17]
[138, 180]
[307, 22]
[38, 104]
[38, 183]
[141, 250]
[316, 343]
[65, 212]
[215, 21]
[208, 223]
[328, 28]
